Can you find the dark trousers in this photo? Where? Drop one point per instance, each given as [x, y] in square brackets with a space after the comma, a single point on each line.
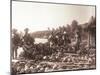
[14, 51]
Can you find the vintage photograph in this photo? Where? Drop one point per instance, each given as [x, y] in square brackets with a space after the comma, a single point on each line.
[52, 37]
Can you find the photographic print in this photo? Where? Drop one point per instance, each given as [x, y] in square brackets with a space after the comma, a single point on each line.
[52, 37]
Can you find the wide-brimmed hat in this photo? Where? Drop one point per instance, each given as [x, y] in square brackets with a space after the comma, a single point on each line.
[14, 30]
[26, 29]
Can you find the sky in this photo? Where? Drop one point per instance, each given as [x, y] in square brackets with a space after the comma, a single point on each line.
[40, 16]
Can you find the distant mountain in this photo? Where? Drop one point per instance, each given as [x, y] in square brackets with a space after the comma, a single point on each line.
[68, 28]
[41, 34]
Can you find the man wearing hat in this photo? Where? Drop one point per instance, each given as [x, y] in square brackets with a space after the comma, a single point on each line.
[28, 42]
[16, 40]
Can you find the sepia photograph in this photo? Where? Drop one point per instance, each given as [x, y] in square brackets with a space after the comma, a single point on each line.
[52, 37]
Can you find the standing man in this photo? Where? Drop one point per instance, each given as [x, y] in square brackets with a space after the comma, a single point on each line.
[65, 38]
[51, 39]
[16, 40]
[78, 39]
[28, 41]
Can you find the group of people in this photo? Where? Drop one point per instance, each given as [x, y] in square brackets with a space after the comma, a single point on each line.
[18, 41]
[58, 39]
[63, 39]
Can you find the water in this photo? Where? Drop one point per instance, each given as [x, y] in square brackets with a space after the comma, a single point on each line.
[40, 40]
